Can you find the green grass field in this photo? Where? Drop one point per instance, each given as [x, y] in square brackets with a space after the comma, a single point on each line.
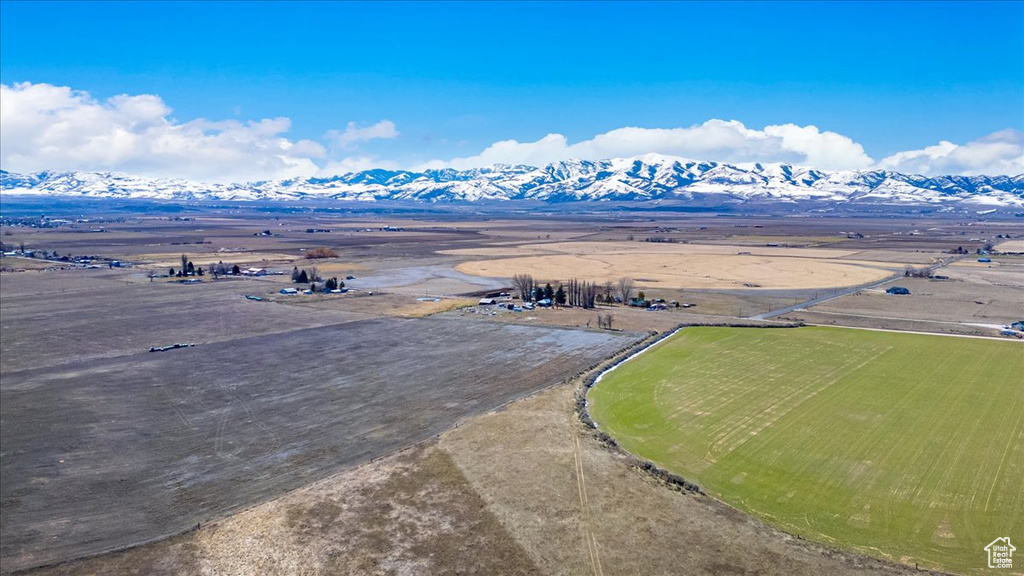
[904, 446]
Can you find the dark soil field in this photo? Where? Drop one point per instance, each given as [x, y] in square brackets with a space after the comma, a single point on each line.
[105, 452]
[54, 317]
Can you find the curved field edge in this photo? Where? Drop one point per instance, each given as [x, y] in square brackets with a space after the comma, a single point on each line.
[902, 446]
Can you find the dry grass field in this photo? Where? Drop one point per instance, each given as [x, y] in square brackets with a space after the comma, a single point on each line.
[681, 265]
[16, 264]
[976, 299]
[1011, 246]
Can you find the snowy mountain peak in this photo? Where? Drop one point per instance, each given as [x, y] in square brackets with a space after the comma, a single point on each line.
[640, 178]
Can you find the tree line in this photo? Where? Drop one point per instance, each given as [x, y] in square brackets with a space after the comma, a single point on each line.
[578, 293]
[189, 269]
[312, 276]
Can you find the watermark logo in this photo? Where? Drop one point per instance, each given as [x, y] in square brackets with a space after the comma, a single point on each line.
[1000, 553]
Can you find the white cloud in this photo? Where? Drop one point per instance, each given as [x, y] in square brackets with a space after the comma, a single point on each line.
[356, 164]
[998, 153]
[717, 140]
[54, 127]
[46, 127]
[385, 129]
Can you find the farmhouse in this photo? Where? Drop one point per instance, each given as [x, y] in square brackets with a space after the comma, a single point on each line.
[487, 301]
[897, 290]
[1018, 325]
[289, 291]
[254, 272]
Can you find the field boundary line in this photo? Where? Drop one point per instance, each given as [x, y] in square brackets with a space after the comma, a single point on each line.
[996, 338]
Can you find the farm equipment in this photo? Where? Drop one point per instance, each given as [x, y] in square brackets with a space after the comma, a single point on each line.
[170, 347]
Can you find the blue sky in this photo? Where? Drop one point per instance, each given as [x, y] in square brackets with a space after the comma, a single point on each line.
[451, 79]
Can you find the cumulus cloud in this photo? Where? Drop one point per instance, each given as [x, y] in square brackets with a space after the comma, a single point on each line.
[998, 153]
[353, 134]
[54, 127]
[356, 163]
[718, 140]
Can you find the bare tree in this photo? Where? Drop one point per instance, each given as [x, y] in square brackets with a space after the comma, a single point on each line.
[608, 288]
[608, 321]
[151, 274]
[525, 284]
[626, 286]
[581, 293]
[184, 264]
[314, 270]
[589, 294]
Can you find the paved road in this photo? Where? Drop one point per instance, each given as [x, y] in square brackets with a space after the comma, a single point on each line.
[839, 292]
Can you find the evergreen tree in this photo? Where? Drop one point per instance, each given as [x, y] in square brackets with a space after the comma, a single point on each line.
[560, 295]
[170, 272]
[295, 274]
[303, 278]
[236, 270]
[199, 272]
[190, 267]
[549, 292]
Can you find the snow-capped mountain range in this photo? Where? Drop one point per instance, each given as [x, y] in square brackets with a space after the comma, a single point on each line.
[643, 178]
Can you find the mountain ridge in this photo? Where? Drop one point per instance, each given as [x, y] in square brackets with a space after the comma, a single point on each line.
[642, 178]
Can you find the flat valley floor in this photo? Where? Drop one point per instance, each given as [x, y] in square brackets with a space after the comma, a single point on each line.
[402, 428]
